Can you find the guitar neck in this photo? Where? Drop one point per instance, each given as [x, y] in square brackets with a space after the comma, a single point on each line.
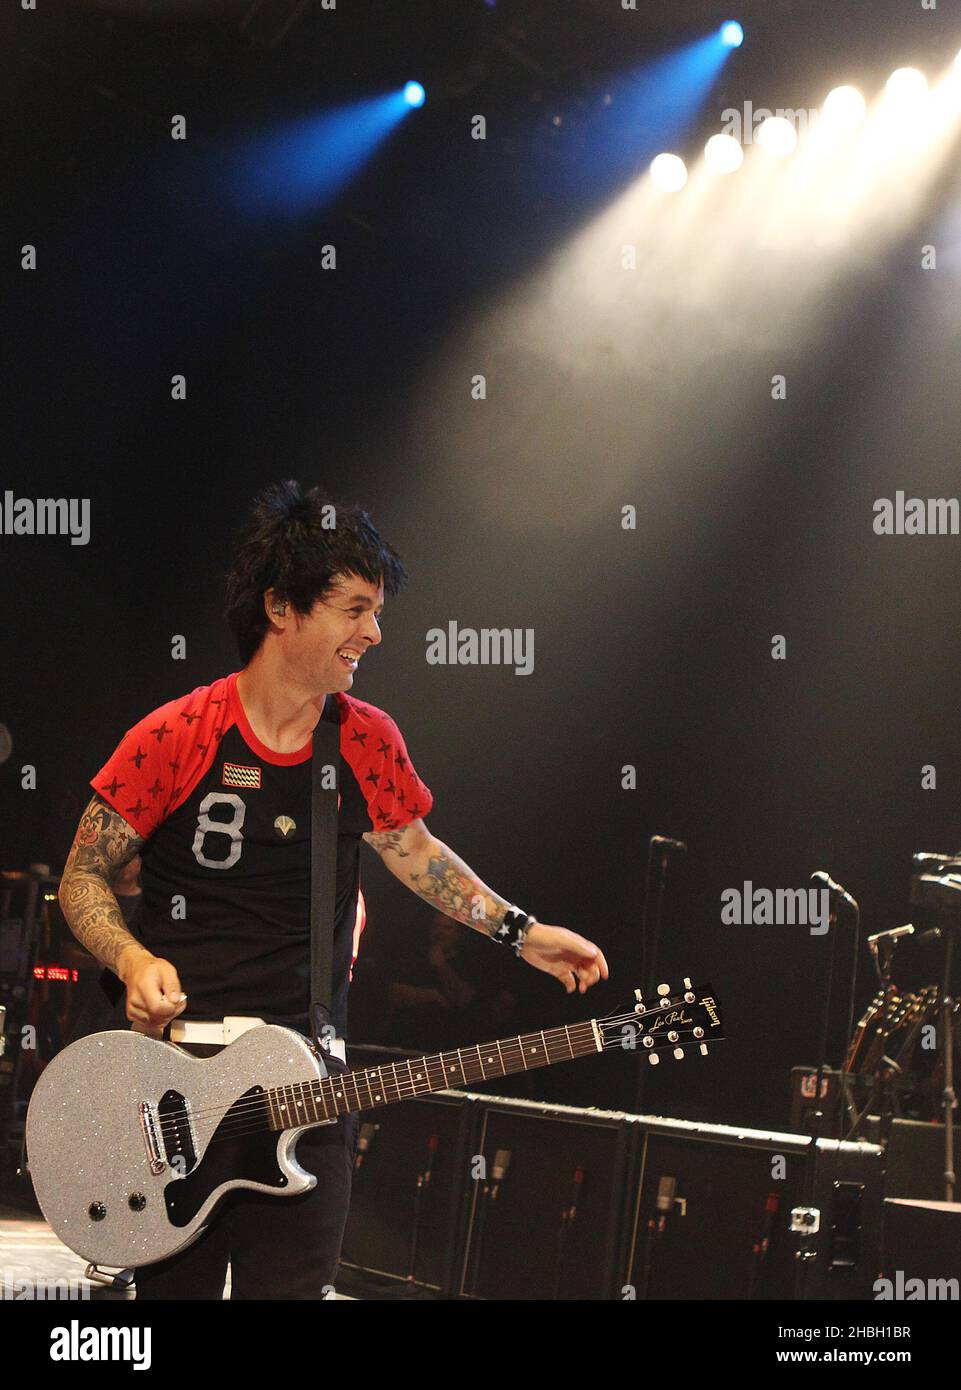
[309, 1102]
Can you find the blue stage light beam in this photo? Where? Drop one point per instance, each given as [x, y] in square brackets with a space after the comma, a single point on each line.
[667, 94]
[302, 164]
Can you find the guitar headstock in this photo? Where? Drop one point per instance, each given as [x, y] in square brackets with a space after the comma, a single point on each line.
[688, 1017]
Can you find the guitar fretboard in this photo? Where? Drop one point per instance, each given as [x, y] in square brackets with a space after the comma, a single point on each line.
[308, 1102]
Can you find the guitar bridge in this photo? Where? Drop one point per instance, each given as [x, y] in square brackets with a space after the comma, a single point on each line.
[151, 1138]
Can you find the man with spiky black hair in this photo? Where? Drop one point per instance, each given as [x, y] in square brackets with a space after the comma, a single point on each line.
[213, 791]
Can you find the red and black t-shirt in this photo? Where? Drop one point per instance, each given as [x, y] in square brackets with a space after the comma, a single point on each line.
[226, 866]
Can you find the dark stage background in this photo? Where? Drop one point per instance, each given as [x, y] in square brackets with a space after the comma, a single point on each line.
[653, 646]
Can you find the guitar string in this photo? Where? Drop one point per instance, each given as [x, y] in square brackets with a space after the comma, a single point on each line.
[237, 1131]
[579, 1032]
[583, 1028]
[406, 1085]
[406, 1088]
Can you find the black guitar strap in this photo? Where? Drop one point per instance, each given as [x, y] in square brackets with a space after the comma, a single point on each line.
[325, 780]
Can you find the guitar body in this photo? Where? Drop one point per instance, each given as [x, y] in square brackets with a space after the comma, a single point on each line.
[119, 1138]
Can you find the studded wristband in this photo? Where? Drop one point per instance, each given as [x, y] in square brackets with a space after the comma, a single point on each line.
[514, 928]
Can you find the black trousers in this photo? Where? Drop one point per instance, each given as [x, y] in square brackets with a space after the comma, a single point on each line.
[277, 1247]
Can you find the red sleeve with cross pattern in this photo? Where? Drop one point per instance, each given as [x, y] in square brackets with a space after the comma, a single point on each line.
[375, 749]
[161, 759]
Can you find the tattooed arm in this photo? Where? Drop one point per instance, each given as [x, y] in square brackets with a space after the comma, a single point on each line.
[435, 873]
[103, 844]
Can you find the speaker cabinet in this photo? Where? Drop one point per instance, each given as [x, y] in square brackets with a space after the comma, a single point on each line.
[922, 1240]
[915, 1160]
[545, 1203]
[711, 1214]
[474, 1197]
[410, 1171]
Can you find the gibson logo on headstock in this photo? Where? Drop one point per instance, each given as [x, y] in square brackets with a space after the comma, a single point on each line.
[709, 1006]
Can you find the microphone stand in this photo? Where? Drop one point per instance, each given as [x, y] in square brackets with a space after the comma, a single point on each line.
[947, 1065]
[881, 1093]
[648, 970]
[485, 1203]
[423, 1183]
[568, 1217]
[803, 1222]
[656, 1226]
[942, 890]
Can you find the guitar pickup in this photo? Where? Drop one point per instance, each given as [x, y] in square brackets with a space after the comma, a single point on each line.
[177, 1132]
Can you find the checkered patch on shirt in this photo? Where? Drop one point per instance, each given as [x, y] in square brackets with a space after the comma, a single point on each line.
[235, 775]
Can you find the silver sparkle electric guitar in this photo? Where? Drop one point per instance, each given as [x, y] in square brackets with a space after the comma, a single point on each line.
[132, 1142]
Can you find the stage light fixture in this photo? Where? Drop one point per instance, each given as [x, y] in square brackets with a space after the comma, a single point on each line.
[732, 35]
[724, 154]
[669, 172]
[414, 94]
[843, 109]
[906, 85]
[777, 135]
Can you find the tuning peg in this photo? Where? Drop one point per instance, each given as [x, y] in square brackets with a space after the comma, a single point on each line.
[703, 1049]
[653, 1058]
[663, 989]
[679, 1053]
[639, 1006]
[687, 982]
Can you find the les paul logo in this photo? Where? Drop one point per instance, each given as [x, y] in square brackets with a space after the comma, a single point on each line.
[678, 1018]
[670, 1018]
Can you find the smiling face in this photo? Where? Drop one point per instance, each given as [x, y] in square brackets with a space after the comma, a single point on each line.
[326, 646]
